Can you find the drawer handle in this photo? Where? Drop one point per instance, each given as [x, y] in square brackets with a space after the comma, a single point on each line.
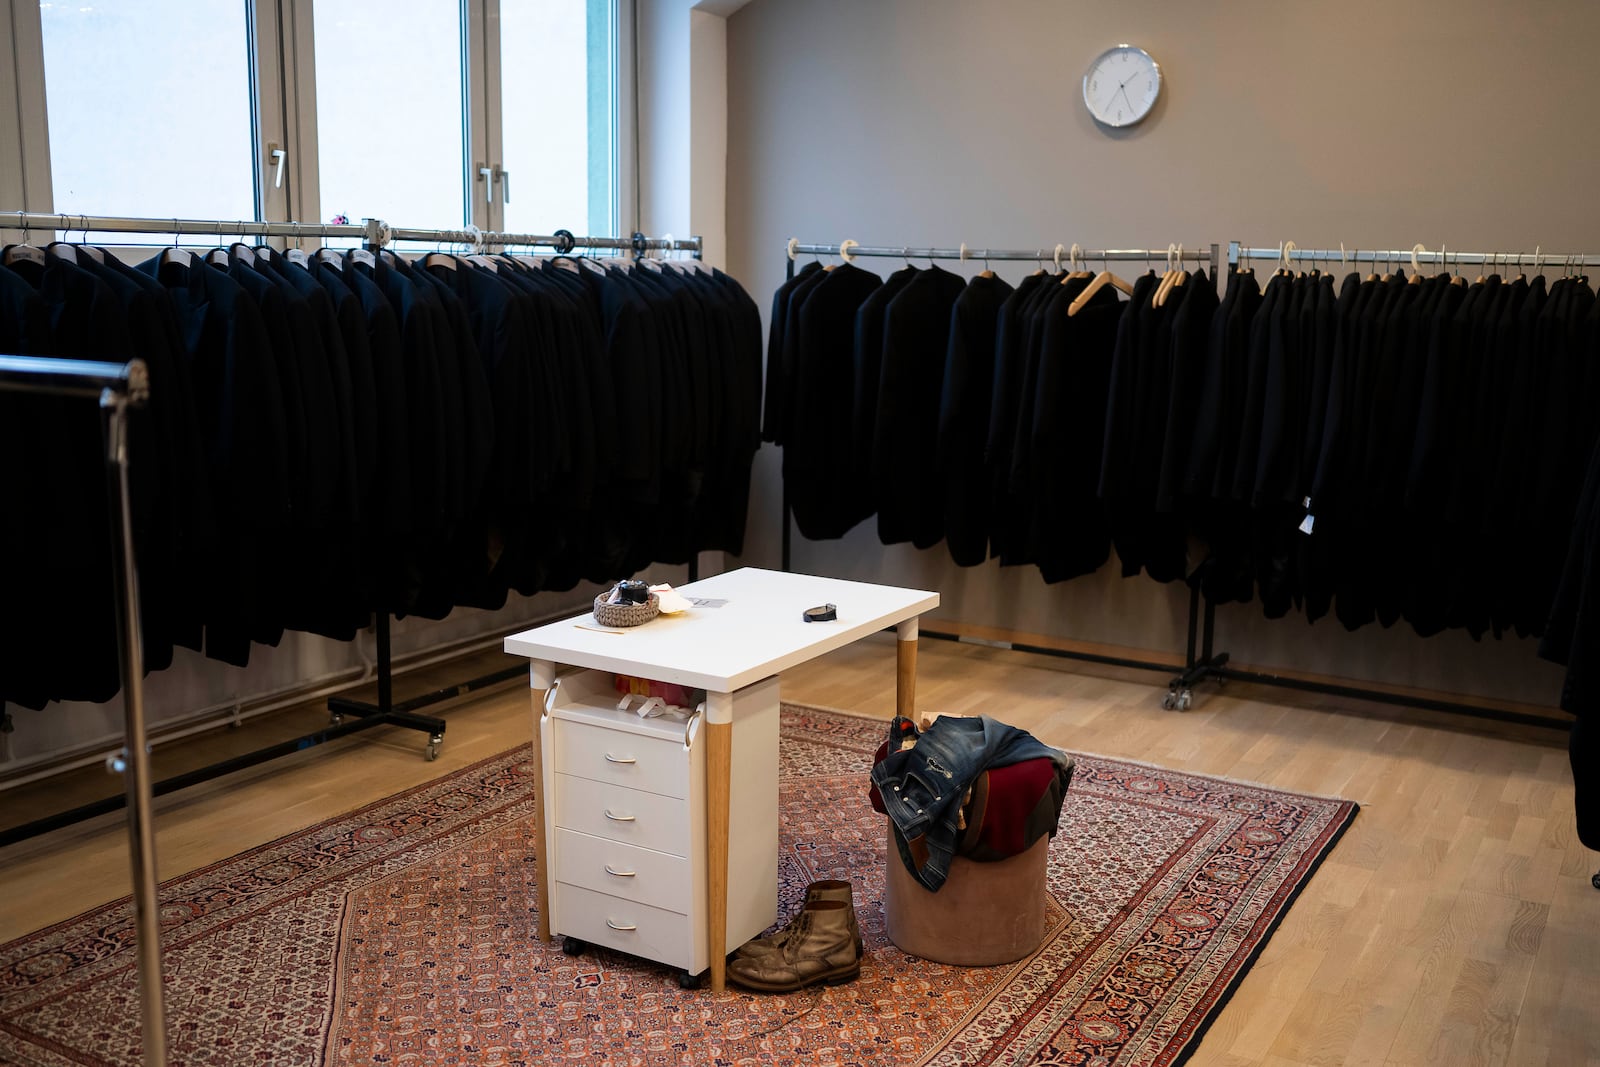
[621, 926]
[620, 818]
[619, 759]
[620, 874]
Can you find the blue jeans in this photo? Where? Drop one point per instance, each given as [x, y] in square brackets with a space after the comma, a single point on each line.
[924, 787]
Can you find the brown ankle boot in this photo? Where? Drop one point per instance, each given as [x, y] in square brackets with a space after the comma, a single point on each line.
[827, 889]
[822, 948]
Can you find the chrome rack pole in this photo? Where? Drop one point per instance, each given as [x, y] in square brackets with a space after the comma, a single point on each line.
[119, 387]
[136, 755]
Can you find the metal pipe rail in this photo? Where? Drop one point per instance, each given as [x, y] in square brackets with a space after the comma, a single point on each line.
[119, 387]
[1190, 254]
[375, 232]
[1536, 259]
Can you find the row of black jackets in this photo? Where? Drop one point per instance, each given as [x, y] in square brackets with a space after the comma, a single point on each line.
[1378, 448]
[342, 434]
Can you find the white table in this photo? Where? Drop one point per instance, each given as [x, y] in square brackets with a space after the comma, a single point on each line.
[757, 633]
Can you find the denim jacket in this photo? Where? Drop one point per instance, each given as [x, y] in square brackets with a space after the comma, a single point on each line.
[924, 787]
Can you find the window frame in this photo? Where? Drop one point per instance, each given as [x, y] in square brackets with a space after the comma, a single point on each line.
[283, 92]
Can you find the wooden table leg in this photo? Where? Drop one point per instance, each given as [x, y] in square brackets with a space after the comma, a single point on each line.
[544, 674]
[719, 772]
[905, 678]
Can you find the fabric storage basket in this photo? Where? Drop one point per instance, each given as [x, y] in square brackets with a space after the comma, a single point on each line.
[626, 614]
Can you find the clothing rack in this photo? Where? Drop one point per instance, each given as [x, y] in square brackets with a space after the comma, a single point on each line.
[346, 715]
[1212, 664]
[119, 387]
[848, 249]
[1201, 660]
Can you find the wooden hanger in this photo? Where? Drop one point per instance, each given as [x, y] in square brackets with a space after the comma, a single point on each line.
[24, 254]
[439, 259]
[1101, 280]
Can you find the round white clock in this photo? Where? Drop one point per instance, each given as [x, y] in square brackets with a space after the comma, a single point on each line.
[1121, 85]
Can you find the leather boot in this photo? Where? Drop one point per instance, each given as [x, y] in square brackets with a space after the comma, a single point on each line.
[821, 949]
[828, 889]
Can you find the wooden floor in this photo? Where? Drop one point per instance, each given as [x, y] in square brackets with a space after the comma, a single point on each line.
[1454, 923]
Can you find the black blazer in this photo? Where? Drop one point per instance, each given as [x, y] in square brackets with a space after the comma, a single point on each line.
[818, 447]
[906, 431]
[969, 373]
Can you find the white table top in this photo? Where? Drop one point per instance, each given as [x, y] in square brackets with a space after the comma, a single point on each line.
[756, 634]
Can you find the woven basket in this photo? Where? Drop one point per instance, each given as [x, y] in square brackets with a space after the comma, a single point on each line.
[625, 614]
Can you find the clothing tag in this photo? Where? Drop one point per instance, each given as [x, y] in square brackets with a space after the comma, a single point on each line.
[1306, 523]
[706, 602]
[1306, 503]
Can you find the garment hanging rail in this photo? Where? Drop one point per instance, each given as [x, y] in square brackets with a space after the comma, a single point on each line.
[119, 387]
[346, 715]
[1060, 255]
[1201, 661]
[1537, 259]
[1056, 254]
[375, 232]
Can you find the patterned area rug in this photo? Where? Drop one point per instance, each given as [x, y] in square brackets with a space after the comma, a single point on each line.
[404, 933]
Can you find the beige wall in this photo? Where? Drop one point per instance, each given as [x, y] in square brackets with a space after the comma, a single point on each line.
[1375, 124]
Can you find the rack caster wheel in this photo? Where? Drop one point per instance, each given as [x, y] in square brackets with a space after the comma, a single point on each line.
[335, 719]
[571, 946]
[1595, 881]
[1178, 700]
[433, 747]
[688, 981]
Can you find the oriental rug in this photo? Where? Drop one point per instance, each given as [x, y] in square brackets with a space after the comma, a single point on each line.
[405, 933]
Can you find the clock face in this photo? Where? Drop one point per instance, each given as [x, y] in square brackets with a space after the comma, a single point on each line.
[1121, 85]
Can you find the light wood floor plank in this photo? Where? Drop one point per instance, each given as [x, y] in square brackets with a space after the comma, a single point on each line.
[1453, 924]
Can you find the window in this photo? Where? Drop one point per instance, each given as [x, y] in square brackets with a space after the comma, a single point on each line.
[149, 107]
[557, 118]
[390, 141]
[417, 112]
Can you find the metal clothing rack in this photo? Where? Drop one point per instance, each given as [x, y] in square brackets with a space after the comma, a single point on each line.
[1201, 660]
[118, 387]
[1072, 255]
[1212, 664]
[346, 715]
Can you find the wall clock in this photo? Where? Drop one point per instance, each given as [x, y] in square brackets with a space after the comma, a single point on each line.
[1121, 85]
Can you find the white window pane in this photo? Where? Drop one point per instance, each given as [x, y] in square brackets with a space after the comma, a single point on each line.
[556, 116]
[149, 105]
[390, 121]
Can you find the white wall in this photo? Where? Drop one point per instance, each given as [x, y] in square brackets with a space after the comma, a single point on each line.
[932, 122]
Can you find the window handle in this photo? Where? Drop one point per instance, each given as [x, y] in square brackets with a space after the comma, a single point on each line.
[279, 157]
[486, 176]
[505, 183]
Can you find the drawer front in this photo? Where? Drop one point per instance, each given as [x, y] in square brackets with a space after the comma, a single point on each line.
[621, 870]
[653, 764]
[625, 925]
[617, 813]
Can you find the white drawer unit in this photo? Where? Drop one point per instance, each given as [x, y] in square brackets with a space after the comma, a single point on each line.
[625, 822]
